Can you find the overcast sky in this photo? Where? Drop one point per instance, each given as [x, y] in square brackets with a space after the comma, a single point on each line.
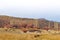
[48, 9]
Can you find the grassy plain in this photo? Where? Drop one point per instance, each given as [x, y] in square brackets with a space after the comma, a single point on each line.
[27, 36]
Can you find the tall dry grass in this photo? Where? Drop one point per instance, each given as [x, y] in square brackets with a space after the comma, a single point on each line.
[15, 36]
[27, 36]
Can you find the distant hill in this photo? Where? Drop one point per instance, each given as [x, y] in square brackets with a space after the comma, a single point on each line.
[16, 22]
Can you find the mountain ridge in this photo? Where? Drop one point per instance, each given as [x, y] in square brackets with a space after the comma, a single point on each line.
[10, 21]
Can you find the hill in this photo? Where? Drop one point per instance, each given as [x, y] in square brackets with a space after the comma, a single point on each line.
[27, 23]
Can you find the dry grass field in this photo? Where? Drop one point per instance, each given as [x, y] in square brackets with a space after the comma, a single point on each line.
[27, 36]
[15, 36]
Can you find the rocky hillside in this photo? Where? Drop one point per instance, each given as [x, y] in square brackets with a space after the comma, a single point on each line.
[27, 23]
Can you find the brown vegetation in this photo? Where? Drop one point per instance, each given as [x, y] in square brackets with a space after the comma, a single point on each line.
[13, 22]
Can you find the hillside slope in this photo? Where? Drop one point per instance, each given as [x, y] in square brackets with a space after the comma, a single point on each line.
[16, 22]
